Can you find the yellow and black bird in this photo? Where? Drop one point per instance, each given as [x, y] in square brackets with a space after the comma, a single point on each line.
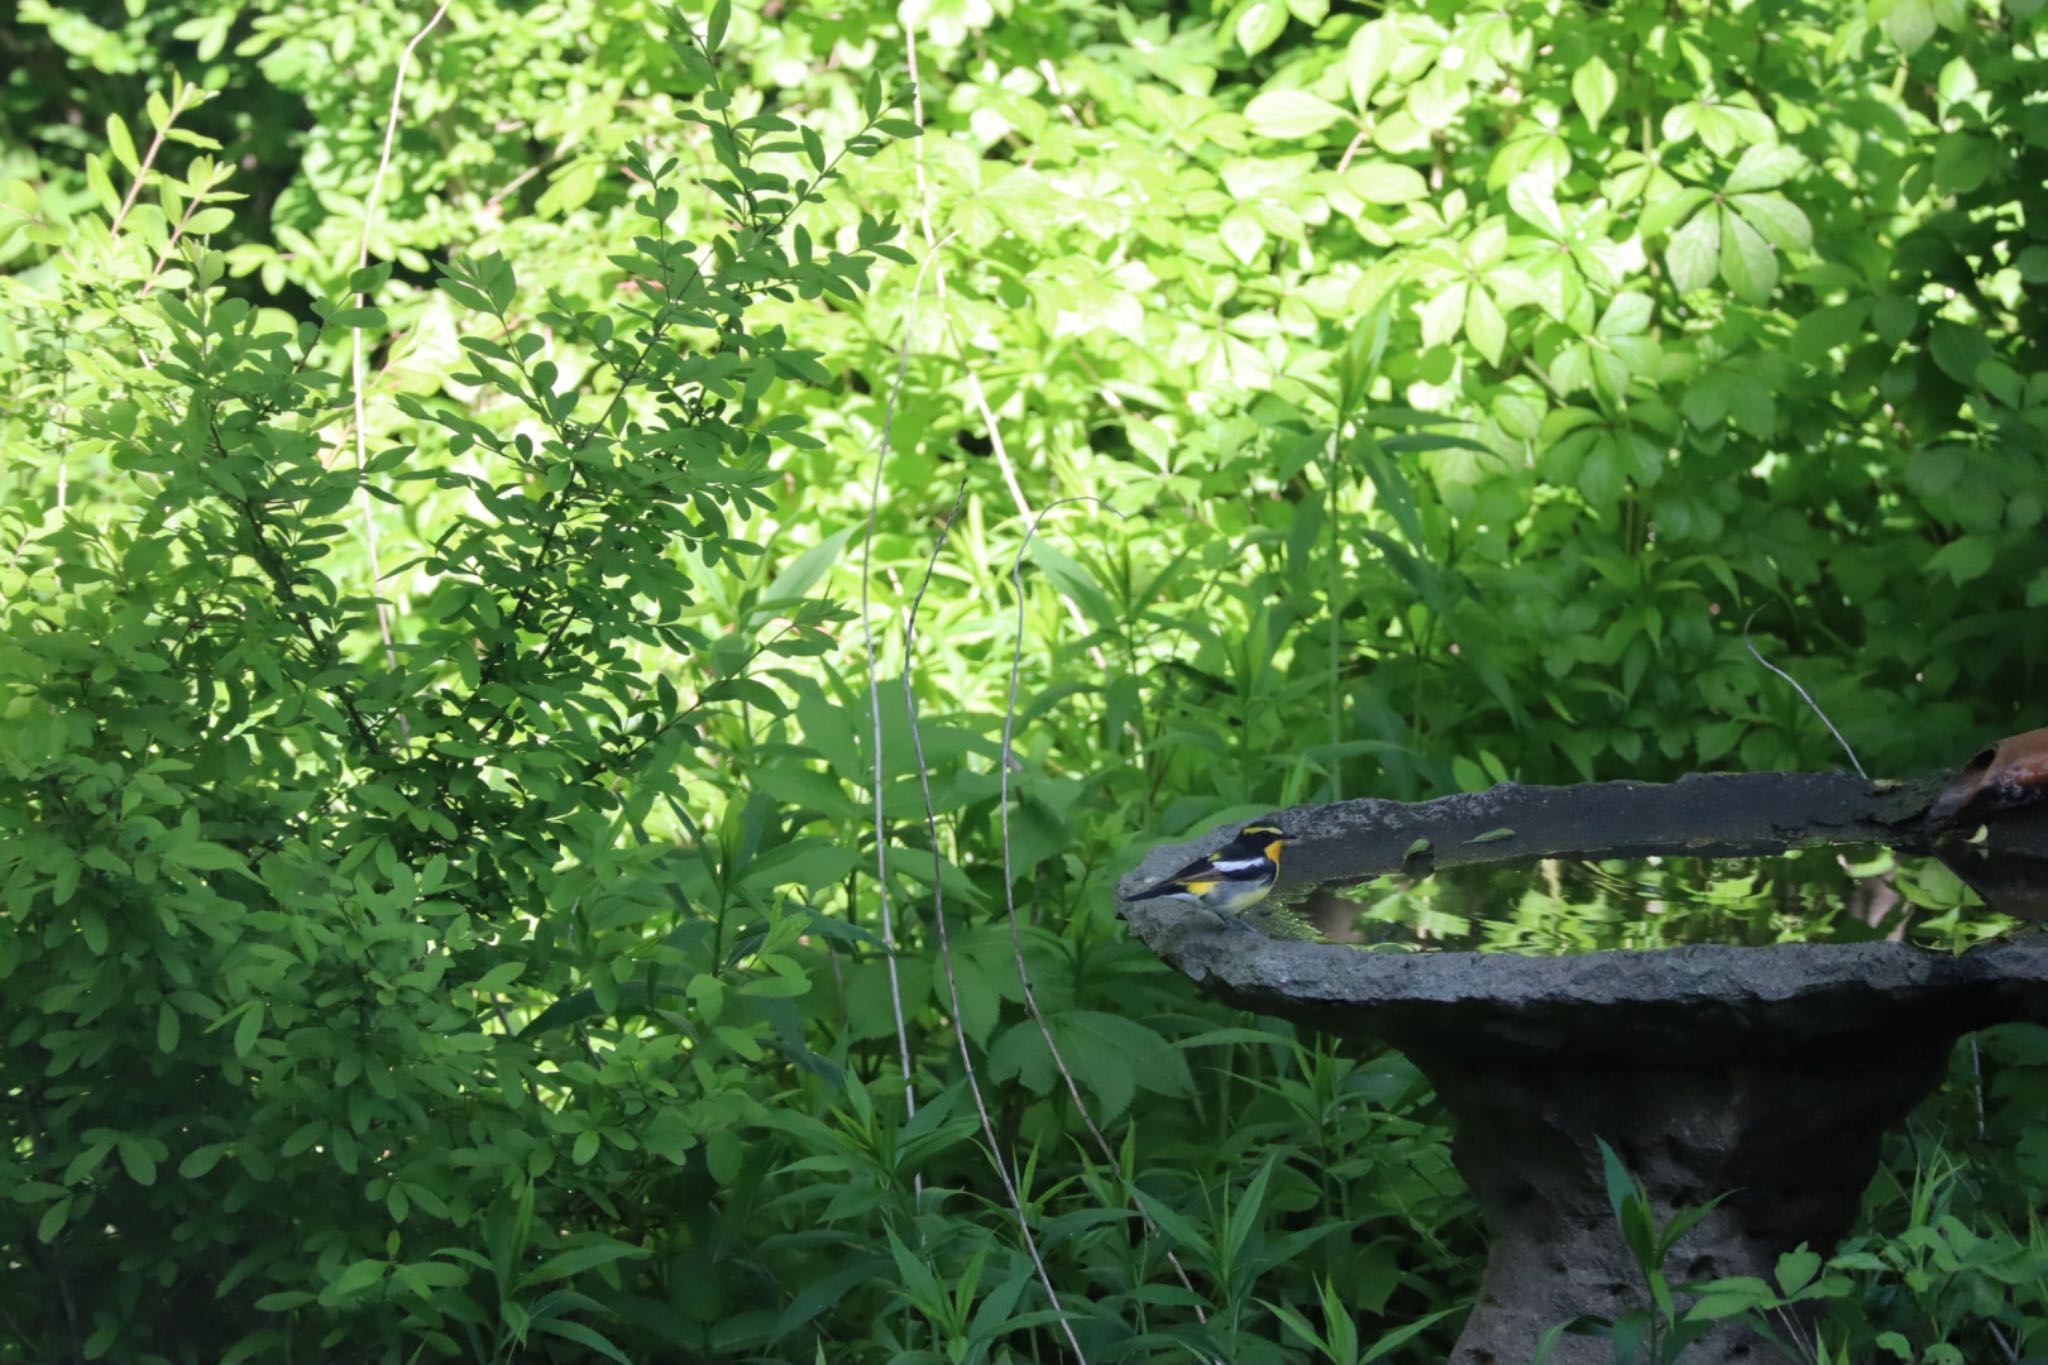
[1232, 879]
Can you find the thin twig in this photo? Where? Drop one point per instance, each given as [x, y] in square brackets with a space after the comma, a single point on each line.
[1004, 762]
[867, 630]
[356, 352]
[1351, 150]
[1003, 766]
[976, 394]
[1804, 696]
[1977, 1083]
[1785, 1320]
[931, 823]
[156, 144]
[924, 221]
[511, 187]
[163, 258]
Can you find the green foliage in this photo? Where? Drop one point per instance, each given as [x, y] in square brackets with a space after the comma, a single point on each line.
[437, 883]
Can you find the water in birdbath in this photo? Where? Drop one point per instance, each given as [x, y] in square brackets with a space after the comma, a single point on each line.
[1557, 906]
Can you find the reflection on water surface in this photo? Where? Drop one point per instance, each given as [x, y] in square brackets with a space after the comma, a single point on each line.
[1557, 906]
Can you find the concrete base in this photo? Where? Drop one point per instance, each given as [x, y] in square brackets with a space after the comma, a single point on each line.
[1795, 1137]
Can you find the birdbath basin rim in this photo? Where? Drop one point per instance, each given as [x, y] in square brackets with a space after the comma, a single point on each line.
[1637, 1001]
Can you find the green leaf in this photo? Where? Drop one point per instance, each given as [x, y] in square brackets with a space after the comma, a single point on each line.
[1444, 314]
[570, 188]
[1405, 1333]
[356, 1279]
[589, 1338]
[1629, 315]
[1621, 1186]
[1484, 325]
[137, 1160]
[200, 1160]
[1593, 89]
[1910, 23]
[1290, 114]
[1964, 559]
[576, 1260]
[1245, 1212]
[122, 145]
[1366, 59]
[1747, 261]
[1661, 213]
[801, 574]
[814, 864]
[249, 1029]
[1533, 197]
[1385, 182]
[1693, 257]
[1243, 235]
[1958, 350]
[1796, 1269]
[1259, 25]
[1779, 221]
[1763, 167]
[1108, 1054]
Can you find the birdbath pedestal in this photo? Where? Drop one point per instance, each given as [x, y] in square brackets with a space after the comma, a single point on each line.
[1771, 1072]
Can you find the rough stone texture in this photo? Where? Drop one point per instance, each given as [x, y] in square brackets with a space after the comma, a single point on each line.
[1794, 1135]
[1715, 815]
[1769, 1071]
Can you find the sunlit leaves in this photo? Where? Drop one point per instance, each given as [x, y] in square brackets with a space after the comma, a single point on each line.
[1243, 235]
[1747, 262]
[1735, 235]
[1763, 167]
[1290, 114]
[1257, 24]
[1694, 253]
[1909, 24]
[1385, 182]
[1594, 87]
[1367, 58]
[1618, 350]
[1485, 326]
[1721, 125]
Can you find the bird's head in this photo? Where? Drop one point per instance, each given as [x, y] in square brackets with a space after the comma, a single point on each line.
[1263, 836]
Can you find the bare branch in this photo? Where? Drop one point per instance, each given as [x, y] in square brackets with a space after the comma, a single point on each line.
[976, 394]
[867, 630]
[1003, 766]
[931, 823]
[356, 381]
[1804, 695]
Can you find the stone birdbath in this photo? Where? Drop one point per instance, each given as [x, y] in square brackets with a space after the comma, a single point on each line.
[1768, 1071]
